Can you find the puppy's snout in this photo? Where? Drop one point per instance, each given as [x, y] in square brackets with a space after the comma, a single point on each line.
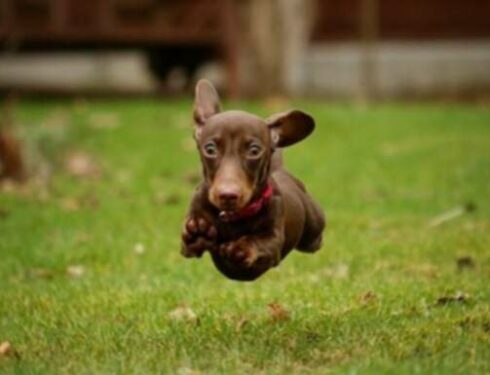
[228, 196]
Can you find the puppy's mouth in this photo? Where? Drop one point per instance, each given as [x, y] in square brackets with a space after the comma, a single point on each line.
[227, 205]
[230, 208]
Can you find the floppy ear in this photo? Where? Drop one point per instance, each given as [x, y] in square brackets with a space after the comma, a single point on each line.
[206, 102]
[290, 127]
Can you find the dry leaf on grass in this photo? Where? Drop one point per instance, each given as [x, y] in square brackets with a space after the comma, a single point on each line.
[458, 297]
[75, 271]
[452, 214]
[6, 350]
[368, 297]
[183, 313]
[465, 263]
[240, 324]
[277, 312]
[81, 164]
[41, 273]
[187, 371]
[139, 249]
[337, 271]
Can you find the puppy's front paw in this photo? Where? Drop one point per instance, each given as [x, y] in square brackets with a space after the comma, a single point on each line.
[241, 252]
[198, 236]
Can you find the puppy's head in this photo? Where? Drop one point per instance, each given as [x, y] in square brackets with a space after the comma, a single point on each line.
[236, 147]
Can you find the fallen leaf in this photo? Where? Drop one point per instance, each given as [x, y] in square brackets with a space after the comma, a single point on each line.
[337, 271]
[6, 350]
[40, 273]
[459, 297]
[81, 164]
[368, 297]
[277, 312]
[183, 313]
[187, 371]
[139, 249]
[75, 271]
[465, 262]
[240, 324]
[452, 214]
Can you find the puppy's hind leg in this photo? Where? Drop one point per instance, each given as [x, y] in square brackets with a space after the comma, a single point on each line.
[312, 238]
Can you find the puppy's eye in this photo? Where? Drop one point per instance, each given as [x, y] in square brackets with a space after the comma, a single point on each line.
[254, 151]
[210, 150]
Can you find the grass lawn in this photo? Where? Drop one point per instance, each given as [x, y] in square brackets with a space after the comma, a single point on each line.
[91, 279]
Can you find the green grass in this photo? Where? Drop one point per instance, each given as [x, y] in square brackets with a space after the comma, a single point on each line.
[382, 173]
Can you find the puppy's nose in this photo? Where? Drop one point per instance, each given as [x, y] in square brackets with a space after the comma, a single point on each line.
[228, 196]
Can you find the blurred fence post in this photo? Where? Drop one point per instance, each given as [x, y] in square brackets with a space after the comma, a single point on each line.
[264, 33]
[297, 18]
[11, 159]
[278, 33]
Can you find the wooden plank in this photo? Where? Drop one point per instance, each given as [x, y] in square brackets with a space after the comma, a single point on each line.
[406, 19]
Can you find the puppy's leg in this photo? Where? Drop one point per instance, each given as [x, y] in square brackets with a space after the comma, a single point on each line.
[247, 250]
[249, 256]
[312, 237]
[198, 236]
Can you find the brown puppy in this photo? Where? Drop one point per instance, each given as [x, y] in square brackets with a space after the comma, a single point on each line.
[248, 211]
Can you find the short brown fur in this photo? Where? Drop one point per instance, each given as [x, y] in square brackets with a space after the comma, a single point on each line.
[240, 158]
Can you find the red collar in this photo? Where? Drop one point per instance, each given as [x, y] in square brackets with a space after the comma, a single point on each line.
[251, 209]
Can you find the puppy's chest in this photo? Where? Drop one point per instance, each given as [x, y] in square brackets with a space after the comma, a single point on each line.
[234, 230]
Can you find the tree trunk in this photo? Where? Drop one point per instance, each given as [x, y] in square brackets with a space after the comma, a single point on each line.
[277, 33]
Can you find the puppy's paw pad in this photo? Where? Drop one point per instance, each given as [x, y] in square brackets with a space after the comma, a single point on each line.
[198, 226]
[239, 252]
[198, 236]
